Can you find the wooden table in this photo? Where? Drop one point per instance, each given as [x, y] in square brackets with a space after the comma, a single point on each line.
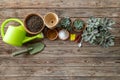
[62, 60]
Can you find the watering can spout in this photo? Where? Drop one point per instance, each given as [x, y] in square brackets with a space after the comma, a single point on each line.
[39, 36]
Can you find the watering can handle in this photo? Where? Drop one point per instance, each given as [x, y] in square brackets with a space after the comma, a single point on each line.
[7, 21]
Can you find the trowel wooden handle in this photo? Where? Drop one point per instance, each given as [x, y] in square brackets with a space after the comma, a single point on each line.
[21, 51]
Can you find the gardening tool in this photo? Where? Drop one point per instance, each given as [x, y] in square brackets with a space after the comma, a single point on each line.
[16, 35]
[32, 49]
[80, 43]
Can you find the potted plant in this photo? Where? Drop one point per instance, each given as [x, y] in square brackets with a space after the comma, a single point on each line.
[78, 25]
[65, 23]
[98, 32]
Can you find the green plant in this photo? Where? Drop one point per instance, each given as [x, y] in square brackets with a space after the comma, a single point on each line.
[98, 32]
[65, 23]
[78, 24]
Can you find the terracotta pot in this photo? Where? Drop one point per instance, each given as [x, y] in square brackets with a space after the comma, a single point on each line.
[52, 34]
[34, 23]
[81, 30]
[63, 34]
[51, 20]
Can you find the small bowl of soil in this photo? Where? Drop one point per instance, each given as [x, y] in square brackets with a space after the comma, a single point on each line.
[52, 34]
[34, 23]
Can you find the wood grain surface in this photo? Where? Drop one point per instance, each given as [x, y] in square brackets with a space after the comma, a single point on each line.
[62, 60]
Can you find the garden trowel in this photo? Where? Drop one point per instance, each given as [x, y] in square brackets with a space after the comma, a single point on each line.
[32, 49]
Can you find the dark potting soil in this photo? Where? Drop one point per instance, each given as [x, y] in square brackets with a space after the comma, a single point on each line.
[34, 23]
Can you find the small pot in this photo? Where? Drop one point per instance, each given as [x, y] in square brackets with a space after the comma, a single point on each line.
[52, 34]
[63, 34]
[51, 20]
[63, 27]
[81, 30]
[34, 23]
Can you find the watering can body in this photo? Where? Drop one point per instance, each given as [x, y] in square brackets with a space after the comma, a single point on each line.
[16, 35]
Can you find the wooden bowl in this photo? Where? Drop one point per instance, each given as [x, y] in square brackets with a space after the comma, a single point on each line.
[51, 20]
[52, 34]
[35, 21]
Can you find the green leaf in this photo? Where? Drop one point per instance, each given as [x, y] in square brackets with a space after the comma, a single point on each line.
[98, 32]
[78, 24]
[65, 23]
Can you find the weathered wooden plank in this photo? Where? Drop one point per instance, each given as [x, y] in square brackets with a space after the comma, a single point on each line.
[60, 43]
[70, 43]
[116, 25]
[21, 13]
[59, 4]
[60, 78]
[95, 78]
[115, 31]
[36, 78]
[60, 71]
[60, 61]
[65, 51]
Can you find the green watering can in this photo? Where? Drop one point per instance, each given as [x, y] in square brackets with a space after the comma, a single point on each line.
[16, 35]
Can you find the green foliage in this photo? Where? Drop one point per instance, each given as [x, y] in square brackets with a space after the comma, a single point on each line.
[65, 23]
[98, 32]
[78, 24]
